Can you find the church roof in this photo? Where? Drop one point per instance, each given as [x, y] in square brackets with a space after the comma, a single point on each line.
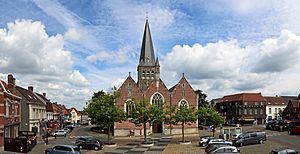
[147, 57]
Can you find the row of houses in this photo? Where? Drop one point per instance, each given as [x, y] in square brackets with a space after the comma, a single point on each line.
[23, 109]
[253, 108]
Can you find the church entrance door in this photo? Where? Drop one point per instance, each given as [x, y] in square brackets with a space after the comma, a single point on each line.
[157, 127]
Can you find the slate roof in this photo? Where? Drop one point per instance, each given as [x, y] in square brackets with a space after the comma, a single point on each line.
[275, 100]
[244, 97]
[147, 57]
[30, 96]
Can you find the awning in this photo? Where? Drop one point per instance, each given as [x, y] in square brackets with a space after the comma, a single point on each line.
[248, 119]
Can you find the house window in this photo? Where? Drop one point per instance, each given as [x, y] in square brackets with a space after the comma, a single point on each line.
[7, 108]
[157, 100]
[245, 111]
[6, 133]
[250, 111]
[270, 110]
[275, 110]
[240, 111]
[148, 74]
[256, 103]
[261, 111]
[245, 103]
[255, 111]
[130, 106]
[261, 103]
[13, 109]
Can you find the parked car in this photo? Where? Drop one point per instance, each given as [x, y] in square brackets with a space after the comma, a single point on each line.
[225, 149]
[280, 125]
[67, 130]
[270, 125]
[213, 146]
[218, 141]
[59, 133]
[250, 138]
[294, 130]
[204, 139]
[284, 151]
[82, 139]
[63, 149]
[235, 136]
[90, 144]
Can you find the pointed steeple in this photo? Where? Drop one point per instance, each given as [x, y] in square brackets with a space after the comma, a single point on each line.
[157, 62]
[147, 57]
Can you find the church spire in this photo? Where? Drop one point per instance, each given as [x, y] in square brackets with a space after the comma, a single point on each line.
[147, 57]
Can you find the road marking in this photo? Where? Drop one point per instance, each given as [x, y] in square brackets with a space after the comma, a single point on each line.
[80, 136]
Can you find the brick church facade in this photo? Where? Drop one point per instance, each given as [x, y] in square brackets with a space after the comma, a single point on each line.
[149, 86]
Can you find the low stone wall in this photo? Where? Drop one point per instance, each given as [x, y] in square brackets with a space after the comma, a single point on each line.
[126, 132]
[176, 131]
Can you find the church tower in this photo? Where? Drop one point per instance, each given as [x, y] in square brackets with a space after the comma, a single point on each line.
[148, 68]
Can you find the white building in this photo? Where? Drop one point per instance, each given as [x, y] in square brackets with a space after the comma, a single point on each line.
[74, 115]
[274, 106]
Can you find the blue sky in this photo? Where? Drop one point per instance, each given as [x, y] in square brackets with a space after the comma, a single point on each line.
[71, 49]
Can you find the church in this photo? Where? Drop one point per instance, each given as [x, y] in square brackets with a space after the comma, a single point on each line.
[149, 86]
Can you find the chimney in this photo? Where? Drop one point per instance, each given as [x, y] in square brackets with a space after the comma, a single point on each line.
[44, 94]
[10, 81]
[30, 88]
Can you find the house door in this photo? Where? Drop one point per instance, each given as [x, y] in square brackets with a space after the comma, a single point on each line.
[157, 127]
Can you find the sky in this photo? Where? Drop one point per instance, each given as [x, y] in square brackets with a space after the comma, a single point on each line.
[71, 49]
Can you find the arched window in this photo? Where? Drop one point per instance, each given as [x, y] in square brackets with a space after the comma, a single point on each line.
[183, 103]
[143, 75]
[130, 107]
[152, 74]
[157, 100]
[148, 74]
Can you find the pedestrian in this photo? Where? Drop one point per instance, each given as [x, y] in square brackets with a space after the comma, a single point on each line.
[46, 140]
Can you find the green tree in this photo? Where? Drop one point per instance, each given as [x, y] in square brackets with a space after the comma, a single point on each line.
[185, 115]
[141, 115]
[103, 110]
[215, 118]
[170, 116]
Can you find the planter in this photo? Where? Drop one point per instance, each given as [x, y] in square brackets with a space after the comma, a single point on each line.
[184, 143]
[110, 145]
[147, 144]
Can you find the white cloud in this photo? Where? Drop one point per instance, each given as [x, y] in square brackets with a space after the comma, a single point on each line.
[116, 57]
[39, 60]
[215, 60]
[77, 78]
[72, 34]
[278, 54]
[222, 68]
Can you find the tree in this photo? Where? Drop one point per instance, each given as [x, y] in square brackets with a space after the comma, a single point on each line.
[215, 118]
[170, 116]
[185, 115]
[103, 110]
[141, 115]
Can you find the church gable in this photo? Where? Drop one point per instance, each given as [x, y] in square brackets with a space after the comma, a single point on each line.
[183, 93]
[157, 87]
[128, 90]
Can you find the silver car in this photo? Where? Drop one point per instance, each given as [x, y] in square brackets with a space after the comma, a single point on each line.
[225, 149]
[63, 149]
[59, 133]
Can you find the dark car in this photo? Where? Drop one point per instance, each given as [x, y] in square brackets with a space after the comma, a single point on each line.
[284, 151]
[250, 138]
[225, 149]
[91, 144]
[82, 139]
[280, 125]
[63, 149]
[294, 130]
[271, 125]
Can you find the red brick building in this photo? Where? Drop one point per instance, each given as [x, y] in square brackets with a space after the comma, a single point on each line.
[243, 108]
[292, 110]
[9, 110]
[149, 86]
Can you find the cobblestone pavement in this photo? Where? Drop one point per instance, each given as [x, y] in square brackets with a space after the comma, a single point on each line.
[124, 144]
